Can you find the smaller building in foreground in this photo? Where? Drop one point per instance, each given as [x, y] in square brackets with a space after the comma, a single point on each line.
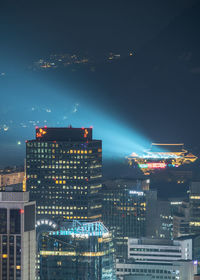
[77, 251]
[157, 259]
[159, 250]
[17, 236]
[180, 270]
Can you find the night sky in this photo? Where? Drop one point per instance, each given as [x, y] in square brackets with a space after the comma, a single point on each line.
[150, 96]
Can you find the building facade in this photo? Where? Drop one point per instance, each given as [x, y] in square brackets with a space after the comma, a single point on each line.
[187, 217]
[80, 251]
[64, 170]
[124, 211]
[17, 236]
[159, 250]
[11, 176]
[180, 270]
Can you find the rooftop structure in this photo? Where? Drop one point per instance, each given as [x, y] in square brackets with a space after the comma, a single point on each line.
[77, 251]
[83, 229]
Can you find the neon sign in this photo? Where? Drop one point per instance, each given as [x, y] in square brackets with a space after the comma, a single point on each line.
[153, 165]
[137, 193]
[40, 133]
[85, 133]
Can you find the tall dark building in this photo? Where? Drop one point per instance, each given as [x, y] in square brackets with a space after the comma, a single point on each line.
[63, 171]
[124, 211]
[187, 218]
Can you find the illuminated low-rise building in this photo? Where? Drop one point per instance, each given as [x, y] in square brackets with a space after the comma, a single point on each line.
[77, 251]
[162, 156]
[63, 171]
[11, 176]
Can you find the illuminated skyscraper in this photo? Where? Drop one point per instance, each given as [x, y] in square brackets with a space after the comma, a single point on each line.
[64, 170]
[80, 251]
[17, 236]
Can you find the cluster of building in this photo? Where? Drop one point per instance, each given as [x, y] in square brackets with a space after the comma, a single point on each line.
[60, 220]
[75, 59]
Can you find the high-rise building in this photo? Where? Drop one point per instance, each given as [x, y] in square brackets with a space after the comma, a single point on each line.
[17, 236]
[63, 171]
[124, 211]
[181, 220]
[161, 225]
[131, 210]
[187, 218]
[77, 251]
[194, 206]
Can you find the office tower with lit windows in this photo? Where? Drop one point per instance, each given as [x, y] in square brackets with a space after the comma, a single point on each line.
[77, 251]
[17, 236]
[187, 217]
[63, 172]
[124, 211]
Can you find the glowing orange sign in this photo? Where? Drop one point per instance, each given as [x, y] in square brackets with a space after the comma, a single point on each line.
[40, 133]
[85, 133]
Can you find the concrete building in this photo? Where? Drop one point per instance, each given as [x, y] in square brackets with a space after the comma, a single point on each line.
[158, 259]
[159, 250]
[179, 270]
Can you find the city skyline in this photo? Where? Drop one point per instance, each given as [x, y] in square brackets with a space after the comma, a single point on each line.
[99, 140]
[151, 96]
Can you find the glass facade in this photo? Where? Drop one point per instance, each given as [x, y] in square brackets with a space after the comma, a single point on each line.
[11, 257]
[3, 219]
[124, 213]
[15, 221]
[77, 255]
